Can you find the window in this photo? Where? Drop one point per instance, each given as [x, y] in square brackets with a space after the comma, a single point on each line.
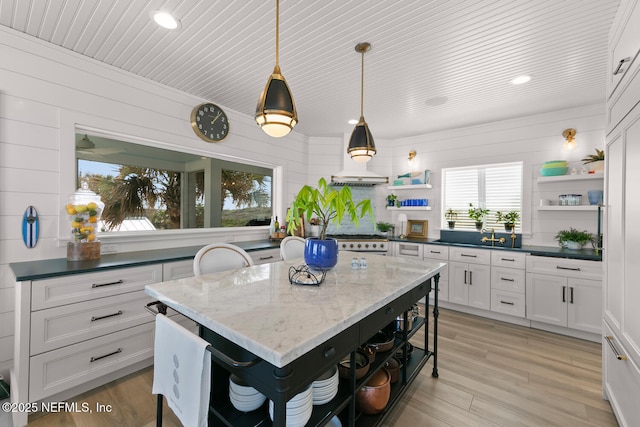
[147, 188]
[497, 188]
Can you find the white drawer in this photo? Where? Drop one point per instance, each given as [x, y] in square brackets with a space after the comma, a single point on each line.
[61, 326]
[509, 259]
[435, 252]
[621, 380]
[265, 256]
[473, 256]
[508, 279]
[83, 287]
[564, 267]
[61, 369]
[411, 250]
[508, 302]
[177, 270]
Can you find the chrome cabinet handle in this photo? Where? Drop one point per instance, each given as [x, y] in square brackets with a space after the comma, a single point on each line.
[99, 285]
[618, 355]
[94, 318]
[559, 267]
[93, 359]
[620, 64]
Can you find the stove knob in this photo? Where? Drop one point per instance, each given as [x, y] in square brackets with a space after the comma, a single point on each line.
[351, 245]
[359, 245]
[344, 246]
[366, 245]
[381, 245]
[375, 245]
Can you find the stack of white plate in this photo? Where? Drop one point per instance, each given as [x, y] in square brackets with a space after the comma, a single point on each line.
[243, 397]
[325, 388]
[299, 408]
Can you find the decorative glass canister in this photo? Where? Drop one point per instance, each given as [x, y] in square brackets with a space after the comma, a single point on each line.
[84, 210]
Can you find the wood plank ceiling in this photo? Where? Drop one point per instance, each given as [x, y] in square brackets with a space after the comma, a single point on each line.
[433, 65]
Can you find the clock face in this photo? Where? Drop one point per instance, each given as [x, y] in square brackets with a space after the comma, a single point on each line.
[209, 122]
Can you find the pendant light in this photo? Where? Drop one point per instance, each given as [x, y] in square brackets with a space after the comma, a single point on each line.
[361, 145]
[276, 111]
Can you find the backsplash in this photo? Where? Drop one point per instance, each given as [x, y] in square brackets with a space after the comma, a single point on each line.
[365, 224]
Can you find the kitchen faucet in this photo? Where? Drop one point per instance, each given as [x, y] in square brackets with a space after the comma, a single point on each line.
[493, 239]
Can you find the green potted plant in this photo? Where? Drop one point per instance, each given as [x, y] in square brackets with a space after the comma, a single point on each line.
[384, 227]
[391, 199]
[329, 206]
[509, 219]
[595, 161]
[451, 217]
[574, 239]
[477, 214]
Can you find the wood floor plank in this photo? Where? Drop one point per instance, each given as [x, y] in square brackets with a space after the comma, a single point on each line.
[490, 374]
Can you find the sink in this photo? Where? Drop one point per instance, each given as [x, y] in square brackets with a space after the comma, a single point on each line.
[468, 237]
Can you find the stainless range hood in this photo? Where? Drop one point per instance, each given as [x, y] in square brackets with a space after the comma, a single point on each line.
[355, 173]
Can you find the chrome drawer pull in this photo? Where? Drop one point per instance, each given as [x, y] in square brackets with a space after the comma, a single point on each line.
[99, 285]
[469, 256]
[619, 356]
[620, 64]
[567, 268]
[435, 252]
[93, 359]
[94, 318]
[508, 259]
[507, 280]
[506, 302]
[266, 257]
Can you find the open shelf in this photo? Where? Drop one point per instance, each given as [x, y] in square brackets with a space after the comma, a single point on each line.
[409, 208]
[568, 178]
[569, 208]
[408, 186]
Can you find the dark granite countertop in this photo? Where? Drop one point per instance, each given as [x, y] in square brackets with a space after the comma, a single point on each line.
[46, 268]
[548, 251]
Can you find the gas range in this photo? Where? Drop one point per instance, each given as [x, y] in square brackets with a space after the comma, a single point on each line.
[362, 242]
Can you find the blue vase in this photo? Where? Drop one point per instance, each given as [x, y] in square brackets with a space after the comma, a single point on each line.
[321, 254]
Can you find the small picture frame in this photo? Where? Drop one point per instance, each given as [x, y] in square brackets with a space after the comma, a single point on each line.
[417, 228]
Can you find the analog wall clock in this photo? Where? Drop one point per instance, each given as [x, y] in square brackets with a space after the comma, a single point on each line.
[210, 122]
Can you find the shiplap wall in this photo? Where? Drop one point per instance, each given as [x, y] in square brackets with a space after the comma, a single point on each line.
[45, 92]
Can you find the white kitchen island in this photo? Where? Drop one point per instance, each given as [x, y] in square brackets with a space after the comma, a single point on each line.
[284, 336]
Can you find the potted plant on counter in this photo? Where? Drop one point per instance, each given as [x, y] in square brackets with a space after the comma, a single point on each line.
[595, 161]
[384, 227]
[574, 239]
[509, 219]
[451, 217]
[329, 206]
[391, 200]
[478, 215]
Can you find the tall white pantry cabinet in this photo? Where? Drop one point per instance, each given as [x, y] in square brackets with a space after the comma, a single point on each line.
[621, 290]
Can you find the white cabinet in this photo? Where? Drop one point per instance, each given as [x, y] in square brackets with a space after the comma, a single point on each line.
[470, 277]
[439, 253]
[409, 250]
[564, 292]
[621, 317]
[508, 282]
[265, 256]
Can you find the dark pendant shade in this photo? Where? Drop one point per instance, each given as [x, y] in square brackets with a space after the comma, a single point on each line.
[276, 111]
[361, 146]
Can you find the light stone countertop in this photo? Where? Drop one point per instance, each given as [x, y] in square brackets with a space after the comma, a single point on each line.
[259, 310]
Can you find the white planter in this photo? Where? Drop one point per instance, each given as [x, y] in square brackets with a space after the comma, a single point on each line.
[573, 245]
[597, 167]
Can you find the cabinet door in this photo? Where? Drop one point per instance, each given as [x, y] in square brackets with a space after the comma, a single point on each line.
[458, 283]
[409, 250]
[546, 299]
[585, 305]
[479, 279]
[177, 270]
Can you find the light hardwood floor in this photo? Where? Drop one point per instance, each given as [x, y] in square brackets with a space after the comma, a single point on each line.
[490, 374]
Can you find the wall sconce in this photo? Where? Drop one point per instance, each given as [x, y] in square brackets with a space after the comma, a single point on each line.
[570, 142]
[412, 155]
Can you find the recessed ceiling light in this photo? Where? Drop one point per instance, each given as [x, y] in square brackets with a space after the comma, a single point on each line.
[520, 80]
[165, 19]
[353, 122]
[436, 100]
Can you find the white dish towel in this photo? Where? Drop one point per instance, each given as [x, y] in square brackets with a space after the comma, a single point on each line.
[182, 371]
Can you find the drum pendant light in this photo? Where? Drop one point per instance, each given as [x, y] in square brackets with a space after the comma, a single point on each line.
[276, 112]
[361, 146]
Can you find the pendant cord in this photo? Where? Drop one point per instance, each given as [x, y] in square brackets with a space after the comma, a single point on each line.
[277, 29]
[362, 89]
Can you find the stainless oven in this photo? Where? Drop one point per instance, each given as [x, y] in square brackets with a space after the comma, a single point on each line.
[372, 243]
